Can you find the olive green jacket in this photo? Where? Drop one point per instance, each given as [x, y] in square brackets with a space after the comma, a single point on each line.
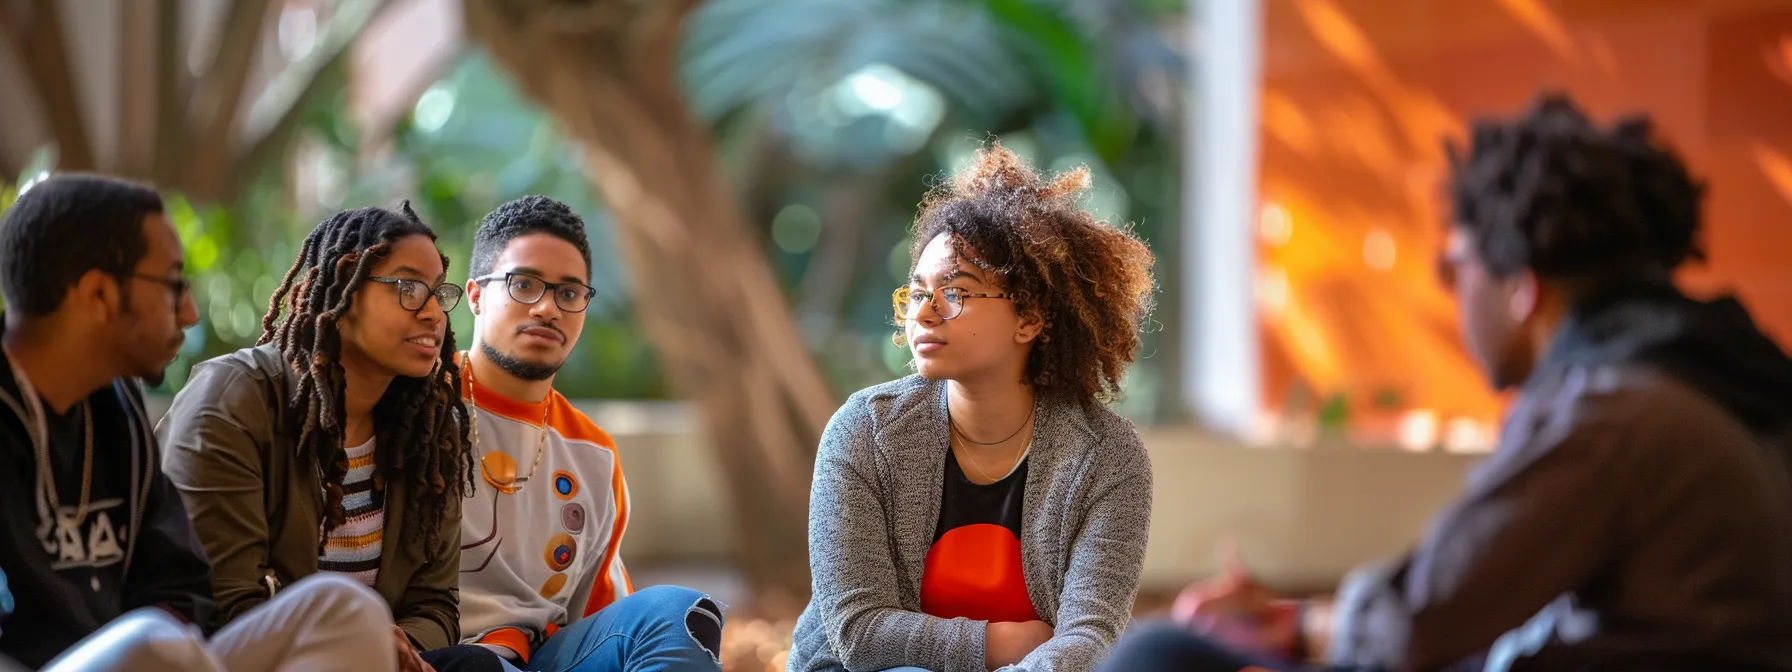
[230, 448]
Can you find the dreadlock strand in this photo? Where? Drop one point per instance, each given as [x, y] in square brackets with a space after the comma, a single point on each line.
[420, 424]
[272, 318]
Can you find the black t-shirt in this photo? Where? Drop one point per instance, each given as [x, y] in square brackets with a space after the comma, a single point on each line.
[68, 577]
[973, 570]
[87, 555]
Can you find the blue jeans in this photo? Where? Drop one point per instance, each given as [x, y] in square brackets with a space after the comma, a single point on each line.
[658, 629]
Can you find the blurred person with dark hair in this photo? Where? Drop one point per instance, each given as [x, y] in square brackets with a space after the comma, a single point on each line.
[542, 578]
[337, 446]
[99, 567]
[1636, 512]
[991, 511]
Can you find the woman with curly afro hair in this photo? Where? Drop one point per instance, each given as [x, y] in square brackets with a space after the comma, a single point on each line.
[989, 512]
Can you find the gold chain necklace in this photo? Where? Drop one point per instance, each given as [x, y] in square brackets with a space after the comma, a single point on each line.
[493, 462]
[966, 439]
[979, 469]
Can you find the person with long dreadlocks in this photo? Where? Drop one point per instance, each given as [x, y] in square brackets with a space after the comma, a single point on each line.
[339, 442]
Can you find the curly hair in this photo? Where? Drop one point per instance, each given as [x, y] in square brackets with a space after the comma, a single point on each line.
[1088, 282]
[1554, 193]
[521, 217]
[420, 424]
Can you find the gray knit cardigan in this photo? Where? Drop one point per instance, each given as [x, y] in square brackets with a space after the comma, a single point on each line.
[875, 503]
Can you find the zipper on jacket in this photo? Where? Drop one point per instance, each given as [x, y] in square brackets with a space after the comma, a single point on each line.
[145, 439]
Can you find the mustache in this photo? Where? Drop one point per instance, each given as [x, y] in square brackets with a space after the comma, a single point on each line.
[544, 325]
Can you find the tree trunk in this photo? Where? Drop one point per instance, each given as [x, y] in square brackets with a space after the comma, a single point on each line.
[704, 292]
[36, 31]
[205, 138]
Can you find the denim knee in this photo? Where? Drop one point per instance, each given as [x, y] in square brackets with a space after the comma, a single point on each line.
[696, 613]
[670, 602]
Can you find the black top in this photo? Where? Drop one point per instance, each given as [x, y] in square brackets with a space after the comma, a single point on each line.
[974, 568]
[68, 578]
[963, 502]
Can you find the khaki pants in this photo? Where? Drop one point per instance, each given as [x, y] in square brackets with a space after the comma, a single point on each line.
[324, 622]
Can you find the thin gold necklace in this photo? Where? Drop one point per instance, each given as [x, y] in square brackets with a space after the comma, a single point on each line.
[487, 465]
[966, 453]
[979, 469]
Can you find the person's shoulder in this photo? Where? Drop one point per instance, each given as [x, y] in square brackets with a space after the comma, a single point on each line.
[1111, 439]
[239, 389]
[241, 375]
[574, 425]
[1638, 409]
[885, 402]
[883, 411]
[259, 363]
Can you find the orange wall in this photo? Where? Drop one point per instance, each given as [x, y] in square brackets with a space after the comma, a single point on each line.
[1356, 97]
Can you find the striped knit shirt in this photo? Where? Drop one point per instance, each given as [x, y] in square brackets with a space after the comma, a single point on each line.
[353, 548]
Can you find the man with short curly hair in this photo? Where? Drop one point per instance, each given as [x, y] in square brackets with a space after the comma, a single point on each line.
[541, 580]
[1635, 515]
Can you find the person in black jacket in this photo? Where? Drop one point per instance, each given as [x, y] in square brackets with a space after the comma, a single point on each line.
[94, 542]
[1635, 514]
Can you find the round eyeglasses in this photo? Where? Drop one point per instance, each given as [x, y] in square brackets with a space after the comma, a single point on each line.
[908, 301]
[414, 294]
[572, 297]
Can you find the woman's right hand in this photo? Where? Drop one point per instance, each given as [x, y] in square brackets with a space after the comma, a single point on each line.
[408, 658]
[1007, 643]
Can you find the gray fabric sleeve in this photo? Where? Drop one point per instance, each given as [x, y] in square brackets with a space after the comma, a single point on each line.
[853, 573]
[1106, 560]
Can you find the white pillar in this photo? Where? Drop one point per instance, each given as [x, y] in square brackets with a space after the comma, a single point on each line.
[1222, 375]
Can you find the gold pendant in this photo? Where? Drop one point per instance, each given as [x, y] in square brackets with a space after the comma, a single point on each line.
[499, 470]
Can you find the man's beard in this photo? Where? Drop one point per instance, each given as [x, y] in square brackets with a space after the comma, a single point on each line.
[525, 370]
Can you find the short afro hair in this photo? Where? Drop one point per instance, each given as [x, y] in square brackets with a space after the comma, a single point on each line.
[1089, 281]
[66, 226]
[1572, 201]
[522, 217]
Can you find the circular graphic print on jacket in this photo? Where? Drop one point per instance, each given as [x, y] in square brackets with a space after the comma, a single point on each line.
[572, 516]
[565, 486]
[560, 551]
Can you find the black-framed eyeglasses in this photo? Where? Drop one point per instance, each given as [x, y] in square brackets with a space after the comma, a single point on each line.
[180, 286]
[414, 294]
[908, 301]
[572, 297]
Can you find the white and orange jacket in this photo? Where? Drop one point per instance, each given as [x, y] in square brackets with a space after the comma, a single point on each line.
[544, 555]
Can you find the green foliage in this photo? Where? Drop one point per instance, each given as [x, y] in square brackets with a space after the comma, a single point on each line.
[845, 86]
[999, 65]
[1072, 71]
[471, 143]
[894, 91]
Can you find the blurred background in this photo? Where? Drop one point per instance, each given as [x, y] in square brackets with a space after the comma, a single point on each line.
[748, 169]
